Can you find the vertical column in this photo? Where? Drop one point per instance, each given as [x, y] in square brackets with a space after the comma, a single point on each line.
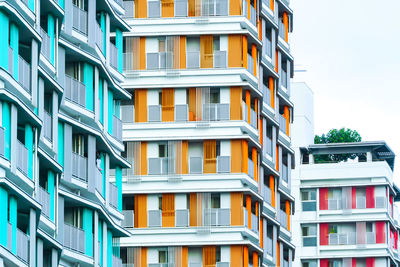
[110, 111]
[13, 220]
[3, 219]
[272, 187]
[91, 22]
[54, 257]
[4, 32]
[55, 121]
[96, 237]
[88, 81]
[248, 208]
[60, 147]
[51, 33]
[118, 183]
[29, 146]
[13, 138]
[119, 45]
[91, 156]
[104, 247]
[106, 172]
[6, 124]
[103, 29]
[87, 225]
[14, 44]
[248, 105]
[107, 39]
[96, 94]
[254, 159]
[100, 239]
[39, 253]
[101, 101]
[287, 208]
[254, 56]
[32, 238]
[274, 244]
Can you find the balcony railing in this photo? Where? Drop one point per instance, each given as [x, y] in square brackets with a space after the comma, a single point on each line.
[154, 113]
[268, 145]
[128, 221]
[220, 59]
[154, 9]
[250, 168]
[334, 204]
[380, 202]
[79, 19]
[254, 223]
[193, 59]
[217, 217]
[267, 95]
[9, 235]
[130, 63]
[223, 164]
[267, 194]
[181, 8]
[283, 218]
[116, 261]
[10, 60]
[154, 218]
[282, 123]
[370, 238]
[195, 165]
[45, 49]
[181, 112]
[253, 14]
[113, 195]
[182, 218]
[99, 37]
[269, 246]
[129, 7]
[160, 166]
[268, 47]
[113, 56]
[282, 30]
[99, 181]
[74, 238]
[117, 128]
[222, 264]
[250, 63]
[75, 91]
[361, 202]
[253, 116]
[24, 74]
[22, 246]
[284, 172]
[44, 200]
[2, 142]
[214, 8]
[48, 126]
[22, 159]
[342, 239]
[128, 114]
[283, 78]
[79, 167]
[216, 112]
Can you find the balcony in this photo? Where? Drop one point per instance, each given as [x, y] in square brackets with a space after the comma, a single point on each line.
[99, 37]
[154, 218]
[181, 8]
[48, 126]
[216, 112]
[193, 59]
[117, 128]
[154, 9]
[44, 200]
[195, 165]
[159, 60]
[267, 46]
[24, 74]
[253, 116]
[211, 8]
[74, 238]
[250, 168]
[267, 95]
[342, 239]
[220, 59]
[282, 30]
[2, 142]
[253, 14]
[223, 164]
[116, 261]
[22, 246]
[113, 195]
[217, 217]
[22, 159]
[10, 61]
[334, 204]
[268, 249]
[267, 195]
[283, 218]
[250, 64]
[254, 221]
[113, 56]
[99, 181]
[285, 173]
[128, 114]
[181, 112]
[161, 166]
[128, 221]
[79, 19]
[129, 7]
[45, 48]
[182, 218]
[370, 238]
[79, 167]
[75, 91]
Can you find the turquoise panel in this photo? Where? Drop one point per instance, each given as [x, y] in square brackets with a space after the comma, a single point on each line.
[7, 128]
[118, 183]
[101, 98]
[51, 32]
[87, 225]
[110, 111]
[103, 28]
[13, 221]
[14, 43]
[101, 242]
[3, 218]
[103, 167]
[29, 146]
[88, 81]
[4, 32]
[31, 5]
[51, 191]
[119, 45]
[61, 3]
[109, 248]
[60, 154]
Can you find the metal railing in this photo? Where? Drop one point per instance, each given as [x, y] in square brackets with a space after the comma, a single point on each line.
[22, 159]
[48, 126]
[254, 223]
[245, 218]
[129, 7]
[268, 47]
[99, 181]
[284, 78]
[214, 8]
[99, 37]
[182, 218]
[154, 8]
[282, 123]
[380, 202]
[75, 91]
[24, 74]
[44, 200]
[2, 142]
[79, 167]
[113, 56]
[181, 8]
[129, 62]
[334, 204]
[250, 168]
[283, 218]
[269, 246]
[267, 95]
[253, 118]
[74, 238]
[268, 145]
[79, 19]
[195, 264]
[250, 63]
[22, 246]
[253, 15]
[154, 113]
[216, 112]
[10, 60]
[117, 128]
[45, 48]
[220, 59]
[181, 112]
[154, 218]
[284, 173]
[195, 165]
[361, 202]
[217, 217]
[160, 166]
[128, 114]
[223, 164]
[9, 235]
[113, 195]
[282, 30]
[222, 264]
[129, 218]
[193, 59]
[342, 239]
[370, 238]
[267, 194]
[116, 261]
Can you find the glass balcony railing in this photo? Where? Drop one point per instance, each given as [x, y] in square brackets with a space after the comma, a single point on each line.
[154, 218]
[254, 221]
[99, 181]
[361, 202]
[117, 128]
[116, 261]
[282, 30]
[99, 37]
[282, 123]
[217, 217]
[220, 59]
[113, 195]
[181, 8]
[154, 9]
[216, 112]
[45, 48]
[267, 95]
[380, 202]
[193, 59]
[75, 91]
[334, 204]
[195, 165]
[268, 249]
[181, 112]
[22, 159]
[253, 116]
[182, 218]
[250, 64]
[79, 19]
[342, 238]
[267, 194]
[2, 142]
[129, 7]
[154, 113]
[113, 56]
[253, 13]
[250, 168]
[24, 74]
[283, 218]
[214, 8]
[285, 173]
[22, 246]
[268, 146]
[283, 78]
[160, 166]
[128, 113]
[159, 60]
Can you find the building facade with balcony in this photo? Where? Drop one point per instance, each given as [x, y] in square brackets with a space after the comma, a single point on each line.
[207, 133]
[61, 133]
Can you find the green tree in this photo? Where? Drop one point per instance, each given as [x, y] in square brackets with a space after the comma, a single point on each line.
[337, 136]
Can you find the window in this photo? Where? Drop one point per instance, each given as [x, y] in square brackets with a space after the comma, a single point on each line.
[214, 96]
[360, 198]
[335, 199]
[333, 229]
[78, 144]
[216, 43]
[335, 263]
[309, 233]
[162, 151]
[162, 256]
[215, 201]
[309, 199]
[309, 263]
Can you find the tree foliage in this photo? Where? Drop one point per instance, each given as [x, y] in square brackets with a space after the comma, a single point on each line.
[337, 136]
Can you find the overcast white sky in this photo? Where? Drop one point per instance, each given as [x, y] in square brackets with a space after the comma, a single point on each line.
[351, 50]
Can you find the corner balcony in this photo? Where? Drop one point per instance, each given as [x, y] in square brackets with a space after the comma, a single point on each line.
[23, 243]
[24, 71]
[79, 167]
[254, 221]
[75, 91]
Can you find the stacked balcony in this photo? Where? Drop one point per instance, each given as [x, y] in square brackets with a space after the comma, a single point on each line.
[74, 238]
[75, 91]
[79, 19]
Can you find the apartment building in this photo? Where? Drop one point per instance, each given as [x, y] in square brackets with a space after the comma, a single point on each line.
[346, 216]
[61, 133]
[207, 133]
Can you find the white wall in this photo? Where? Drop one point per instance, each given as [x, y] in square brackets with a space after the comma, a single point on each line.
[225, 146]
[225, 95]
[225, 200]
[152, 150]
[223, 42]
[152, 202]
[152, 255]
[195, 150]
[180, 97]
[152, 97]
[195, 255]
[180, 202]
[151, 44]
[225, 254]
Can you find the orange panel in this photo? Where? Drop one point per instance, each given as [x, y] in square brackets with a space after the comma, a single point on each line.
[272, 4]
[248, 9]
[255, 259]
[278, 254]
[193, 210]
[182, 52]
[168, 210]
[235, 7]
[185, 257]
[143, 158]
[245, 256]
[286, 23]
[236, 208]
[210, 156]
[142, 57]
[141, 8]
[185, 157]
[168, 104]
[276, 61]
[256, 106]
[287, 204]
[244, 53]
[236, 156]
[248, 105]
[272, 187]
[261, 130]
[286, 114]
[277, 158]
[167, 8]
[209, 256]
[140, 105]
[236, 255]
[261, 232]
[259, 29]
[140, 211]
[254, 159]
[194, 104]
[248, 208]
[235, 58]
[143, 258]
[254, 56]
[245, 156]
[236, 103]
[206, 51]
[271, 88]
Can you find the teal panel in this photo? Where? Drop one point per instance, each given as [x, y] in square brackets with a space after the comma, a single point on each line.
[101, 98]
[109, 248]
[119, 45]
[51, 191]
[87, 225]
[7, 128]
[101, 243]
[51, 32]
[103, 28]
[14, 44]
[13, 221]
[103, 166]
[31, 5]
[61, 3]
[88, 81]
[60, 153]
[118, 183]
[4, 32]
[110, 111]
[29, 146]
[3, 218]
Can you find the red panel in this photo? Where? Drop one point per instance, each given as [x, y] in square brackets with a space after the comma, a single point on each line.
[323, 234]
[323, 198]
[353, 262]
[324, 263]
[370, 262]
[353, 198]
[391, 204]
[370, 192]
[380, 232]
[396, 237]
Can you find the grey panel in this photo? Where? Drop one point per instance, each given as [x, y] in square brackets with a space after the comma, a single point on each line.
[91, 21]
[55, 121]
[39, 249]
[67, 152]
[61, 65]
[32, 237]
[68, 16]
[34, 70]
[14, 141]
[60, 224]
[91, 163]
